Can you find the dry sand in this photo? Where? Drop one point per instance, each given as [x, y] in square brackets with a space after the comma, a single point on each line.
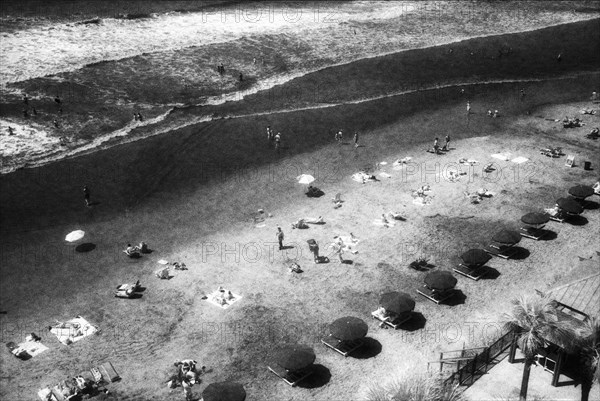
[209, 228]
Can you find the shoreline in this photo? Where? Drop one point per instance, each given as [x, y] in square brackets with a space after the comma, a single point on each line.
[226, 108]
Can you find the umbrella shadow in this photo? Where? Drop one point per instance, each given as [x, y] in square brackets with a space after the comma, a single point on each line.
[578, 220]
[489, 273]
[548, 235]
[347, 262]
[283, 248]
[135, 295]
[95, 203]
[590, 205]
[458, 298]
[315, 194]
[87, 247]
[370, 348]
[421, 268]
[320, 376]
[416, 322]
[519, 253]
[134, 256]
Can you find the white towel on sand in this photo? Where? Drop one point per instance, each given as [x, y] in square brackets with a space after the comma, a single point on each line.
[501, 156]
[73, 330]
[519, 160]
[218, 298]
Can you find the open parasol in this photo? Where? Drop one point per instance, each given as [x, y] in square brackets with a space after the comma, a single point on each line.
[570, 206]
[535, 218]
[348, 328]
[295, 357]
[440, 280]
[305, 179]
[74, 236]
[581, 191]
[475, 257]
[507, 237]
[397, 302]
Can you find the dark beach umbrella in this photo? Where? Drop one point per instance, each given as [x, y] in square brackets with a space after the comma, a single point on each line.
[569, 205]
[348, 328]
[295, 357]
[475, 257]
[440, 280]
[581, 191]
[397, 302]
[224, 391]
[507, 237]
[535, 218]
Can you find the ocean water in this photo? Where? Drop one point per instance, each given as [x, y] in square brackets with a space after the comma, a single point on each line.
[309, 36]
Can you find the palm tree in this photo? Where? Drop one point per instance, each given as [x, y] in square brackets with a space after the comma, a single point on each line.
[590, 353]
[536, 324]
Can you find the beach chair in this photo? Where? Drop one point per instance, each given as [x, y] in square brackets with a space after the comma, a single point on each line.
[108, 372]
[343, 347]
[394, 323]
[501, 251]
[556, 214]
[533, 232]
[291, 378]
[570, 162]
[472, 272]
[434, 296]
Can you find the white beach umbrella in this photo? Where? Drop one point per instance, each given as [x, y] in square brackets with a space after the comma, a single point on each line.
[74, 236]
[305, 179]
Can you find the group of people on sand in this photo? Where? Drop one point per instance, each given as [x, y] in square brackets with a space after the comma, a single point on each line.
[274, 138]
[436, 145]
[185, 374]
[339, 135]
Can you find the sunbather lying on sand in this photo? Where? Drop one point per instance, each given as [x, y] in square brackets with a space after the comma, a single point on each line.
[422, 191]
[312, 220]
[300, 224]
[594, 134]
[468, 162]
[588, 111]
[132, 250]
[397, 216]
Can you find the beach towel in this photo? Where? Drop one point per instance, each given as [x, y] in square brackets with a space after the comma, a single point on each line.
[218, 298]
[383, 163]
[163, 262]
[73, 330]
[33, 348]
[362, 177]
[501, 156]
[385, 175]
[519, 160]
[468, 162]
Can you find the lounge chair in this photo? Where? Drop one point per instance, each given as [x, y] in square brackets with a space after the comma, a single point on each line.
[556, 214]
[435, 296]
[108, 372]
[535, 233]
[394, 321]
[343, 347]
[489, 168]
[499, 250]
[472, 272]
[127, 290]
[291, 378]
[397, 216]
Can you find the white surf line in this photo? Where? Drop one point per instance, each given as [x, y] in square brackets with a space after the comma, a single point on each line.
[5, 80]
[95, 145]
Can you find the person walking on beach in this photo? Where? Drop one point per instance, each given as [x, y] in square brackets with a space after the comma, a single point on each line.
[436, 146]
[270, 135]
[339, 135]
[280, 238]
[355, 139]
[25, 100]
[241, 77]
[522, 94]
[86, 195]
[278, 141]
[314, 248]
[468, 108]
[139, 116]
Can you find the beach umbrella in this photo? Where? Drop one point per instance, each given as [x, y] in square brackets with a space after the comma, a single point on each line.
[305, 179]
[74, 236]
[224, 391]
[295, 357]
[569, 205]
[475, 257]
[581, 191]
[507, 237]
[397, 302]
[535, 218]
[348, 328]
[440, 280]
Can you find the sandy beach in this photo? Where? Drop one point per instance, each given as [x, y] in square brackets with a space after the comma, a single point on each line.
[192, 194]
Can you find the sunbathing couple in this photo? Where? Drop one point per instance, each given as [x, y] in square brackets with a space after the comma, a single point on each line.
[223, 296]
[135, 251]
[185, 374]
[572, 122]
[128, 290]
